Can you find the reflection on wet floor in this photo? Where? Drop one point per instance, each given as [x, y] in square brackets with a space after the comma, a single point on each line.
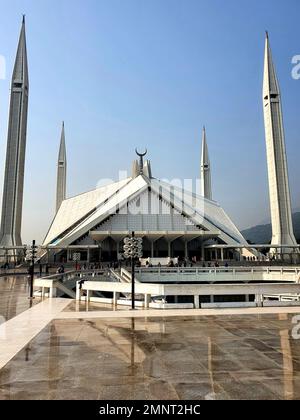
[14, 292]
[215, 357]
[76, 306]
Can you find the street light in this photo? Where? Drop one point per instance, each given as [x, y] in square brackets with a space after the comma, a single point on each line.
[133, 249]
[31, 256]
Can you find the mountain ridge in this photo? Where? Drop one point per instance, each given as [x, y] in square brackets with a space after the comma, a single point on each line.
[262, 234]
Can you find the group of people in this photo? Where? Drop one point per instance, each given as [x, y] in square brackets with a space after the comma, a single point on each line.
[216, 264]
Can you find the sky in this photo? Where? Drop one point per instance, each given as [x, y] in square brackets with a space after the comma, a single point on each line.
[150, 73]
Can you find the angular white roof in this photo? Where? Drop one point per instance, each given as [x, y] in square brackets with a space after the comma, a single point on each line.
[79, 215]
[74, 209]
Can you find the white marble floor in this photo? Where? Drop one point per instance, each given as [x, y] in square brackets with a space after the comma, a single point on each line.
[18, 331]
[175, 312]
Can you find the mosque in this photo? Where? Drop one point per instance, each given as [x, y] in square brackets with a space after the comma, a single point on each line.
[173, 221]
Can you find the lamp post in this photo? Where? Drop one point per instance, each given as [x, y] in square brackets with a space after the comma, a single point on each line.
[133, 249]
[31, 256]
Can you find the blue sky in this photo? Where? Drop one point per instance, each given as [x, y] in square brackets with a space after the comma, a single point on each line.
[128, 73]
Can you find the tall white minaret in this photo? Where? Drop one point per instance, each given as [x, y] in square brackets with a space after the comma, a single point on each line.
[280, 200]
[12, 202]
[61, 171]
[205, 176]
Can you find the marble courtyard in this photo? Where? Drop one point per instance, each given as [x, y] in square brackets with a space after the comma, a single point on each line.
[97, 353]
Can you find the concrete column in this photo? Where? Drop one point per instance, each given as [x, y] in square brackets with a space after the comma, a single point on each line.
[169, 250]
[78, 291]
[88, 255]
[115, 298]
[88, 295]
[202, 253]
[147, 301]
[186, 253]
[259, 300]
[222, 254]
[152, 249]
[196, 301]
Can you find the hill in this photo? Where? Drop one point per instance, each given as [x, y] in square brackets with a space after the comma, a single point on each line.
[261, 234]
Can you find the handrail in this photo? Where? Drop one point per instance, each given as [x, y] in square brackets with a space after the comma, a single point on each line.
[209, 270]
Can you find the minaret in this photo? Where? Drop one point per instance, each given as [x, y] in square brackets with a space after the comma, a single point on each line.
[12, 202]
[280, 200]
[61, 171]
[205, 176]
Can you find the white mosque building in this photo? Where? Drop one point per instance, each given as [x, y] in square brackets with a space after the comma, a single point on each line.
[172, 221]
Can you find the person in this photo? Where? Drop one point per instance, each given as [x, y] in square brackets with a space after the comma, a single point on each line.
[203, 265]
[47, 268]
[60, 270]
[41, 268]
[226, 264]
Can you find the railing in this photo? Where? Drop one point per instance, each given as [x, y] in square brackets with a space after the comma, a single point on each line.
[70, 275]
[212, 274]
[237, 269]
[65, 282]
[126, 276]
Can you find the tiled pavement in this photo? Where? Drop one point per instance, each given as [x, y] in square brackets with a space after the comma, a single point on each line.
[216, 357]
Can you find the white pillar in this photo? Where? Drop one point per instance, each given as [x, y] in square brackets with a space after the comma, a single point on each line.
[88, 295]
[116, 296]
[147, 301]
[259, 300]
[196, 302]
[78, 291]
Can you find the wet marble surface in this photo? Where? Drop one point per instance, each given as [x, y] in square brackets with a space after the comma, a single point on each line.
[14, 292]
[82, 306]
[215, 357]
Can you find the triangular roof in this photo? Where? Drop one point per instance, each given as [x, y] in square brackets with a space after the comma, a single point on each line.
[79, 215]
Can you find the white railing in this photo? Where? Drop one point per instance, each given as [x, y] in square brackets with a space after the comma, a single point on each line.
[219, 274]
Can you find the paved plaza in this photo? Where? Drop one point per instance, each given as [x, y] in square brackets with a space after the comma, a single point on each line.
[60, 350]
